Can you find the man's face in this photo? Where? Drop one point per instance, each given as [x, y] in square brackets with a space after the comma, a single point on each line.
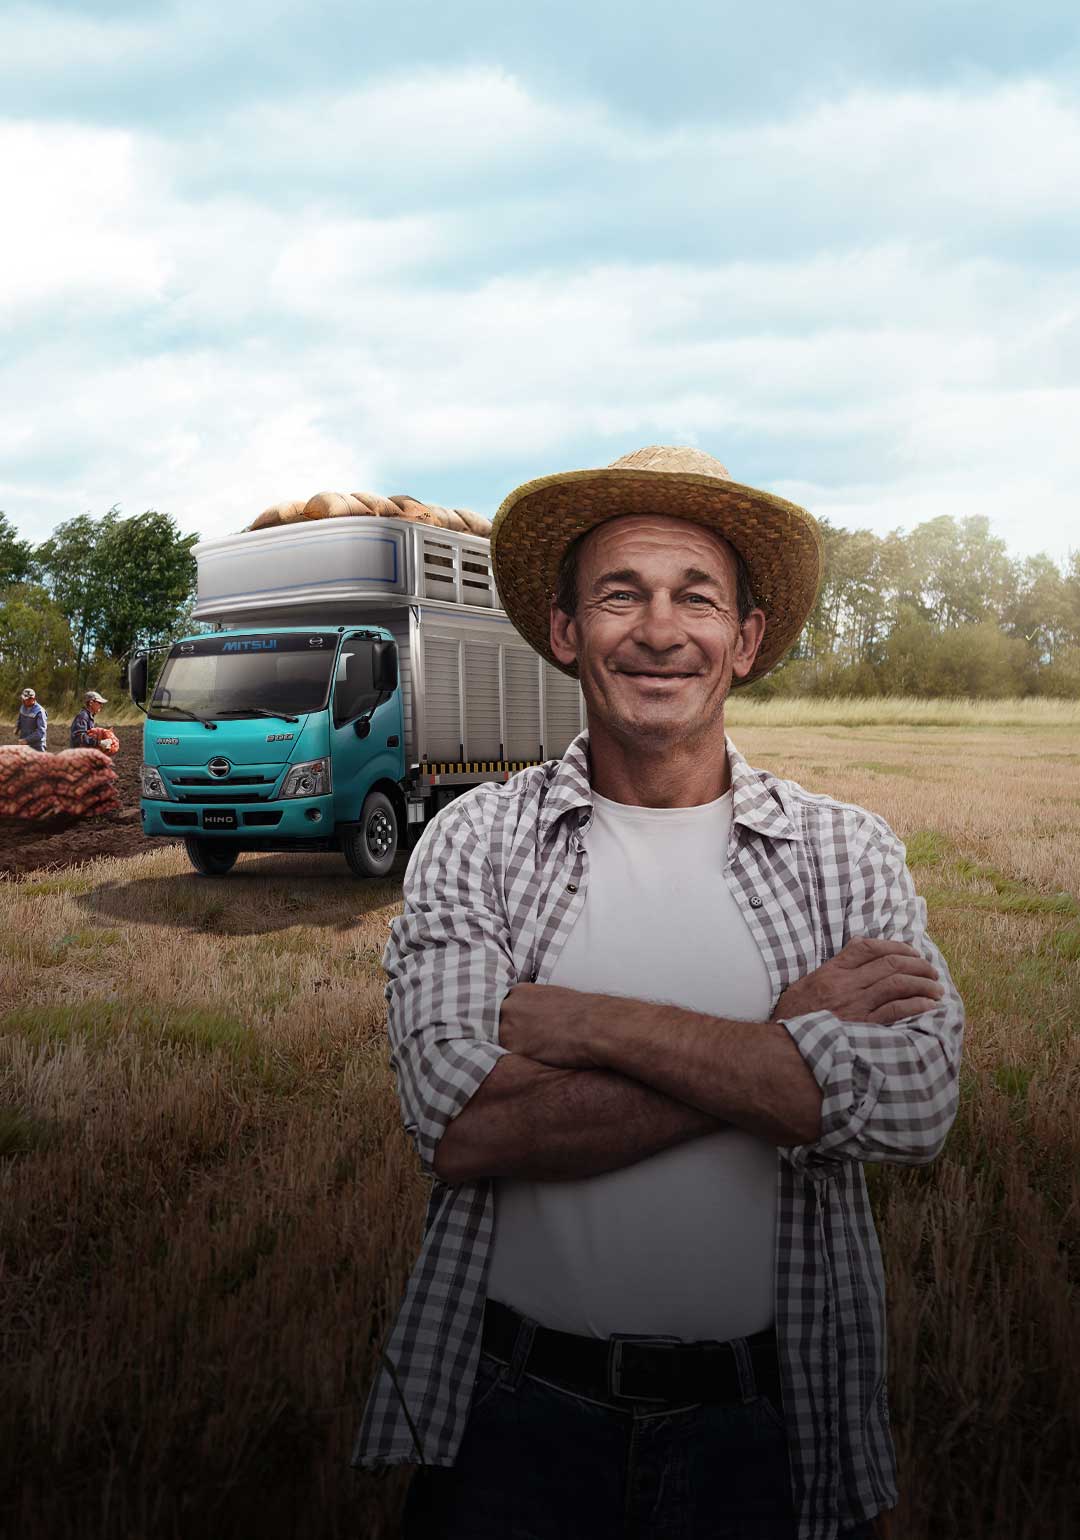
[95, 707]
[656, 635]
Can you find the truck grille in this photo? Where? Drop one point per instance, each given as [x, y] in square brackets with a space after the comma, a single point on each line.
[232, 780]
[220, 796]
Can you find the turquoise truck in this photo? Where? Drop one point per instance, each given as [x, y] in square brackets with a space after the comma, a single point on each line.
[357, 674]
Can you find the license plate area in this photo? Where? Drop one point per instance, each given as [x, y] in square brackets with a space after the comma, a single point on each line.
[219, 818]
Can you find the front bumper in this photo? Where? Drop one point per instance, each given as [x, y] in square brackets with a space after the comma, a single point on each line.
[293, 818]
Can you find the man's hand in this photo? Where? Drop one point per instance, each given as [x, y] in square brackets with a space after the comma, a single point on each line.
[869, 980]
[550, 1024]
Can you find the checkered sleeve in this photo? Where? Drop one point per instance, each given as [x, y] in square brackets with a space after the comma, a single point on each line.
[449, 966]
[889, 1093]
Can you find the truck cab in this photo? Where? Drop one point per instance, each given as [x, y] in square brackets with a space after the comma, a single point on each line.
[276, 738]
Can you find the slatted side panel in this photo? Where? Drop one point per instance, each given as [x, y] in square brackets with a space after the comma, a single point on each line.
[563, 712]
[439, 559]
[481, 700]
[477, 584]
[441, 699]
[522, 677]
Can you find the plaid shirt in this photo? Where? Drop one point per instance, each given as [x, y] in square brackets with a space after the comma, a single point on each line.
[489, 901]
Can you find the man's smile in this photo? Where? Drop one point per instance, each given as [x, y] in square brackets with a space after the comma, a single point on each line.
[649, 677]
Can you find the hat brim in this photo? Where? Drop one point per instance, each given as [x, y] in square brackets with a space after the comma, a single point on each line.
[780, 542]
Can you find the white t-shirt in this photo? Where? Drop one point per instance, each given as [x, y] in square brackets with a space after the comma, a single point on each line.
[681, 1243]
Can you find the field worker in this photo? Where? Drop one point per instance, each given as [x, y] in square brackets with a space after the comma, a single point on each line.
[651, 1010]
[84, 720]
[31, 725]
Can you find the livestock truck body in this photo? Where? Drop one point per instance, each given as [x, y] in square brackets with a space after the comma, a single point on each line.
[359, 673]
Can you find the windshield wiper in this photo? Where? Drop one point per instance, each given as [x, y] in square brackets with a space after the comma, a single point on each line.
[257, 711]
[184, 712]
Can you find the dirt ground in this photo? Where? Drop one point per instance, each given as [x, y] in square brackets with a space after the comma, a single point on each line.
[112, 834]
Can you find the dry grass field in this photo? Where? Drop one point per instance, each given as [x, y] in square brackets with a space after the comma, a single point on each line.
[208, 1206]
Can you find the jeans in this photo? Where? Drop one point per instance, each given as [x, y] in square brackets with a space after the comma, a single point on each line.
[538, 1462]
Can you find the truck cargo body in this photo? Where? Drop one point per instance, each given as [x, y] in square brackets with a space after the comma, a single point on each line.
[472, 702]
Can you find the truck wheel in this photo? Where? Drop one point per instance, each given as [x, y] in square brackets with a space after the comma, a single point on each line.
[209, 857]
[371, 846]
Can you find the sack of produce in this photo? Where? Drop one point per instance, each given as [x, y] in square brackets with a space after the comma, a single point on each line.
[449, 518]
[418, 512]
[279, 513]
[76, 782]
[475, 523]
[381, 507]
[105, 739]
[332, 505]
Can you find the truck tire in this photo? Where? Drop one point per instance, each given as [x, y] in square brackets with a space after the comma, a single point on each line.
[209, 857]
[371, 846]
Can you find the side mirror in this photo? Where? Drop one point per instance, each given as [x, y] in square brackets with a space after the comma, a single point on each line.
[137, 678]
[384, 668]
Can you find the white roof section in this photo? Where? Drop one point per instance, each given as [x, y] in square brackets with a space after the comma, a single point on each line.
[321, 565]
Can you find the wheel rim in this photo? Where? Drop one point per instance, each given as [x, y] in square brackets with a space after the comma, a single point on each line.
[379, 834]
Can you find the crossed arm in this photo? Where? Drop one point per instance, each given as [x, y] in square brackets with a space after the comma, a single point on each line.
[859, 1060]
[700, 1071]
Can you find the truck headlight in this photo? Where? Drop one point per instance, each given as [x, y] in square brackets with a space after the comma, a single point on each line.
[311, 779]
[153, 787]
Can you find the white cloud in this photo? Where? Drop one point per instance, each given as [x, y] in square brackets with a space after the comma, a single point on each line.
[209, 352]
[74, 197]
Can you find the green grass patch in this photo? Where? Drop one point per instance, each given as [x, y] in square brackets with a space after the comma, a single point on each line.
[1000, 903]
[21, 1134]
[1066, 942]
[46, 887]
[880, 767]
[927, 847]
[1013, 1080]
[930, 848]
[102, 1020]
[60, 950]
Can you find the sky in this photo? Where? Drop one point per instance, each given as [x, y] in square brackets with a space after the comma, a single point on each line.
[253, 252]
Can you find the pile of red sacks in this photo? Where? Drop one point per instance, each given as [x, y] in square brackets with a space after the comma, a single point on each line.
[77, 783]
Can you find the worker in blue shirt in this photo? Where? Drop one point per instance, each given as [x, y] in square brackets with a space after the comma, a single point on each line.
[31, 724]
[84, 721]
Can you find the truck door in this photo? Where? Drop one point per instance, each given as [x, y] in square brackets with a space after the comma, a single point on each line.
[357, 762]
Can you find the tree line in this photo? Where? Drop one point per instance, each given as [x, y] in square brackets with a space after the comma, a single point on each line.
[74, 607]
[941, 611]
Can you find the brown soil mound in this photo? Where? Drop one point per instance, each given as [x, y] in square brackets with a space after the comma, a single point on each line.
[71, 842]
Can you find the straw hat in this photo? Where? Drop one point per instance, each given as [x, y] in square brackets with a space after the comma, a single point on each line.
[779, 541]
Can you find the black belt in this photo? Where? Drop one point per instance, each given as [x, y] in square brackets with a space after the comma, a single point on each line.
[634, 1368]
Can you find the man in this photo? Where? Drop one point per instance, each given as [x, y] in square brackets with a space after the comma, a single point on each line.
[84, 721]
[651, 1010]
[31, 724]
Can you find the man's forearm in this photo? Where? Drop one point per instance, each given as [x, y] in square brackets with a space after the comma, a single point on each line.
[547, 1124]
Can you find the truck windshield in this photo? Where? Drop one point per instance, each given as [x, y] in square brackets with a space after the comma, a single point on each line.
[230, 675]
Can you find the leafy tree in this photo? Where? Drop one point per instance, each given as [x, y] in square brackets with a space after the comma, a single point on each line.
[119, 581]
[150, 579]
[963, 572]
[16, 556]
[68, 562]
[35, 645]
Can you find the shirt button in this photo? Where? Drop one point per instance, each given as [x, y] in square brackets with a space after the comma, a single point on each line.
[755, 903]
[571, 887]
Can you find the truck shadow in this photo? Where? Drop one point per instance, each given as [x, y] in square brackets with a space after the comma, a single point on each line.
[270, 893]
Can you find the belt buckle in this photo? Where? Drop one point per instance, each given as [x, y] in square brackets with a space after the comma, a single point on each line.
[616, 1342]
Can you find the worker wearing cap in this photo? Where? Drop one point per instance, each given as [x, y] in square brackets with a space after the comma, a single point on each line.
[31, 724]
[84, 721]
